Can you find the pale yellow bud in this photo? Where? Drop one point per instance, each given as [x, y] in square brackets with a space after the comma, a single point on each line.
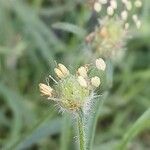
[97, 7]
[95, 81]
[138, 3]
[110, 11]
[103, 1]
[126, 25]
[128, 5]
[45, 90]
[82, 71]
[113, 4]
[59, 73]
[100, 64]
[124, 15]
[124, 1]
[135, 18]
[82, 81]
[63, 69]
[138, 24]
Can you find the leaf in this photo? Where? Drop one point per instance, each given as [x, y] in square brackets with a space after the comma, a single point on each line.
[42, 130]
[70, 28]
[18, 109]
[142, 123]
[65, 132]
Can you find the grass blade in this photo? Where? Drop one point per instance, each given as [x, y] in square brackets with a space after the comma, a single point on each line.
[142, 123]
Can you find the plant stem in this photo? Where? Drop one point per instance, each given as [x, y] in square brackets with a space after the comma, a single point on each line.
[81, 132]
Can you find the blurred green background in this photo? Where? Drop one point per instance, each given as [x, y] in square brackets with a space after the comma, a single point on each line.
[36, 33]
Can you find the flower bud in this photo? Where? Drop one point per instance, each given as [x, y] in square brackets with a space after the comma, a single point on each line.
[138, 3]
[113, 4]
[82, 71]
[110, 11]
[103, 1]
[59, 73]
[100, 64]
[82, 81]
[124, 1]
[128, 5]
[95, 81]
[126, 25]
[63, 69]
[97, 7]
[135, 18]
[138, 24]
[124, 15]
[45, 90]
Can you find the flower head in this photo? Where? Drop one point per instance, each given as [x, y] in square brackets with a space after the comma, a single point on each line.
[109, 38]
[71, 92]
[110, 35]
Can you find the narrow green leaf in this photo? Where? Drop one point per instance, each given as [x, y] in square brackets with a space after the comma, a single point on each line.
[66, 132]
[70, 28]
[142, 123]
[42, 130]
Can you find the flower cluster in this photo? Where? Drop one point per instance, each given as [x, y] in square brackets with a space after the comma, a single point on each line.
[71, 92]
[108, 39]
[124, 9]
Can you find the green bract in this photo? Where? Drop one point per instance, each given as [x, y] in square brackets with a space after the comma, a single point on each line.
[71, 94]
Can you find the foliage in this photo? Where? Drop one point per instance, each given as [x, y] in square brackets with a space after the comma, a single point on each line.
[35, 34]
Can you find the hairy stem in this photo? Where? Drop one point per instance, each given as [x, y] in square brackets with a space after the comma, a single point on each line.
[81, 132]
